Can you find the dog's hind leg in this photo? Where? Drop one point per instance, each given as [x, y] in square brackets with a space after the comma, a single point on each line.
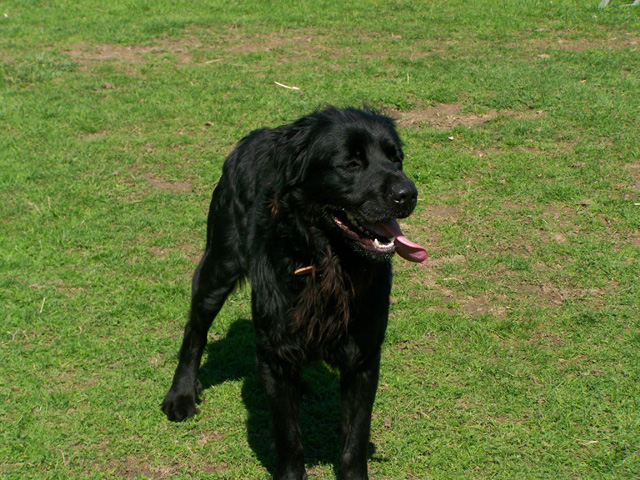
[215, 277]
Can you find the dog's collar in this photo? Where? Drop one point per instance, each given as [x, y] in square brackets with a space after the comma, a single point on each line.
[304, 270]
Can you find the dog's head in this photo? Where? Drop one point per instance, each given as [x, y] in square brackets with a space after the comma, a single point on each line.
[347, 165]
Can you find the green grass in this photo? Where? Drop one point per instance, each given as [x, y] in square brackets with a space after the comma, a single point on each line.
[512, 354]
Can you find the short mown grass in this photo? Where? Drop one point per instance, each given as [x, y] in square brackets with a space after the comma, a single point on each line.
[512, 354]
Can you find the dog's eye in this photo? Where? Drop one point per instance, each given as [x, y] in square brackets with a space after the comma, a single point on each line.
[353, 164]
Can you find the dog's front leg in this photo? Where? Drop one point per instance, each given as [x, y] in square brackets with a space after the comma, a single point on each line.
[212, 282]
[281, 382]
[358, 391]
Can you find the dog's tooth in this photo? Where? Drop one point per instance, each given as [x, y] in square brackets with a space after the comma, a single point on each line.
[383, 247]
[349, 216]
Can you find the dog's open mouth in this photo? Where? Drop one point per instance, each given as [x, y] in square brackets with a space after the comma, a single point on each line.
[384, 237]
[368, 238]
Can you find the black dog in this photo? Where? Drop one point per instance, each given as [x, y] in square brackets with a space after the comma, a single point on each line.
[308, 212]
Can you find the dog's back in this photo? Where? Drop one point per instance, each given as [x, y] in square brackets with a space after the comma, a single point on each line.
[239, 187]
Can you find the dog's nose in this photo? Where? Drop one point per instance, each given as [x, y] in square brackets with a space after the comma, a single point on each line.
[404, 194]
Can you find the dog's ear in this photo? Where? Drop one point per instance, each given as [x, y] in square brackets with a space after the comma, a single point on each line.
[290, 157]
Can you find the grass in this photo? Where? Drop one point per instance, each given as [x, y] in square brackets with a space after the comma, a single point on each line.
[512, 354]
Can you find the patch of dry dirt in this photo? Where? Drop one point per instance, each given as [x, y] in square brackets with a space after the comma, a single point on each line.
[274, 41]
[575, 41]
[441, 214]
[634, 171]
[133, 54]
[291, 44]
[484, 305]
[161, 184]
[133, 467]
[136, 467]
[445, 116]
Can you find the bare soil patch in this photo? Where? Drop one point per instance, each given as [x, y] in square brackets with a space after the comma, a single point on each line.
[134, 54]
[290, 45]
[161, 184]
[634, 171]
[297, 43]
[445, 116]
[441, 214]
[574, 41]
[133, 467]
[484, 305]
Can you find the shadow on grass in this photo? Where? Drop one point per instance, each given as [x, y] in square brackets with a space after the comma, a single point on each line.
[233, 358]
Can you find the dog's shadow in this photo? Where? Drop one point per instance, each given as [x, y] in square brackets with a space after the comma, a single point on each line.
[233, 358]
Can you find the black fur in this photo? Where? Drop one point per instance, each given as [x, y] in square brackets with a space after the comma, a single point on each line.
[278, 207]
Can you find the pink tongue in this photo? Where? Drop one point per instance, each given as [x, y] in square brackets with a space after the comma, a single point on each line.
[405, 247]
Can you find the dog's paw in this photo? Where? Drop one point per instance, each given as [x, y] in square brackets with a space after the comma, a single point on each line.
[292, 476]
[178, 406]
